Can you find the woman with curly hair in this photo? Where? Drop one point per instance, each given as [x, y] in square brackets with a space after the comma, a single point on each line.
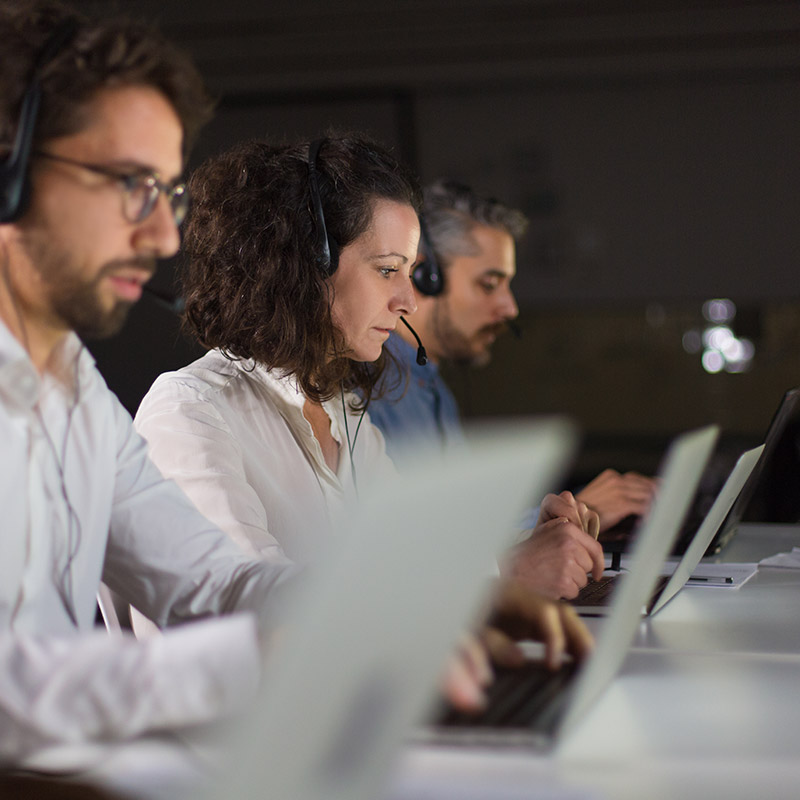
[296, 272]
[298, 262]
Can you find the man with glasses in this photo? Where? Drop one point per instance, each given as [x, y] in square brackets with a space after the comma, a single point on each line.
[90, 198]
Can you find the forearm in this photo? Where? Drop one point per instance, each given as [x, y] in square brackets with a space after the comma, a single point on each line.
[100, 687]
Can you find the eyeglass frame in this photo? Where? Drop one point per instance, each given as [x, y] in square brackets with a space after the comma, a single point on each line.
[176, 192]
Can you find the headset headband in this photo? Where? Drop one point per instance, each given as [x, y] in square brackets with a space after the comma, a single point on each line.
[328, 261]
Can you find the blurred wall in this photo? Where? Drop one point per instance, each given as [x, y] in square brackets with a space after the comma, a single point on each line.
[654, 145]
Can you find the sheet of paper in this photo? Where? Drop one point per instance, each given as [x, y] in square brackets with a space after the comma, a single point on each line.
[790, 560]
[722, 576]
[714, 576]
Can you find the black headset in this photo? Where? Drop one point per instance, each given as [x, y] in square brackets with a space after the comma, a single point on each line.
[14, 182]
[427, 276]
[327, 247]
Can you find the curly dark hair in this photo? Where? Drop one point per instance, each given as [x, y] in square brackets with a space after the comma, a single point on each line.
[250, 271]
[98, 55]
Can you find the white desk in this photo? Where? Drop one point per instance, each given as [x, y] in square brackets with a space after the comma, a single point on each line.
[763, 616]
[707, 705]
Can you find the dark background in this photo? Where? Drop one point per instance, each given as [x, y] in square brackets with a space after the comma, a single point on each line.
[654, 145]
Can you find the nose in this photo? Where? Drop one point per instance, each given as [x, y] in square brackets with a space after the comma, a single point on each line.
[507, 305]
[157, 233]
[405, 300]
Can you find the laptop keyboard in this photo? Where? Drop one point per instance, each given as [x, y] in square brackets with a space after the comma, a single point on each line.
[516, 698]
[598, 593]
[595, 593]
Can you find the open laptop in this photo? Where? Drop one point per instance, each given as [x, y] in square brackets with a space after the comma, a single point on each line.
[666, 587]
[777, 471]
[768, 494]
[367, 634]
[533, 707]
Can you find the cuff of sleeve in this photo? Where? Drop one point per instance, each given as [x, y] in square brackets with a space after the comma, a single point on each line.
[210, 669]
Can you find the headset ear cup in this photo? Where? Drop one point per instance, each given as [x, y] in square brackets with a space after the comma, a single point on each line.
[24, 196]
[14, 195]
[427, 278]
[15, 188]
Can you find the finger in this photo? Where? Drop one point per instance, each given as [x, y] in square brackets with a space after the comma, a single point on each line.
[598, 558]
[579, 640]
[638, 484]
[503, 650]
[548, 509]
[583, 511]
[639, 505]
[460, 687]
[581, 555]
[594, 524]
[637, 494]
[606, 476]
[554, 505]
[553, 636]
[612, 496]
[637, 476]
[569, 507]
[574, 584]
[475, 659]
[590, 520]
[589, 554]
[641, 485]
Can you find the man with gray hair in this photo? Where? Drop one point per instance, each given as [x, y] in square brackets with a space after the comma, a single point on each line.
[464, 302]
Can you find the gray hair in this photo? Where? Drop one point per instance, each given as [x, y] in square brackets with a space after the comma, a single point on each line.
[451, 210]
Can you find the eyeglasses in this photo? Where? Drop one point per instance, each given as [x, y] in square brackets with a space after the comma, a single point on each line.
[139, 192]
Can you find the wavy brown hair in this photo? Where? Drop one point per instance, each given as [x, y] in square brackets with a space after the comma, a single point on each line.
[250, 273]
[99, 54]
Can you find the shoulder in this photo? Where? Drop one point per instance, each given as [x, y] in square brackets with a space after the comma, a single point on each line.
[211, 378]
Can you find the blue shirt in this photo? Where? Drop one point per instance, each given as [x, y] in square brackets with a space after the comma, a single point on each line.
[427, 410]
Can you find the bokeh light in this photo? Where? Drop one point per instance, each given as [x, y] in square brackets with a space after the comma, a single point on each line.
[722, 350]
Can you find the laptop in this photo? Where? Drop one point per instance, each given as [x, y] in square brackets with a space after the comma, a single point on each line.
[533, 707]
[666, 587]
[774, 479]
[769, 494]
[697, 549]
[368, 631]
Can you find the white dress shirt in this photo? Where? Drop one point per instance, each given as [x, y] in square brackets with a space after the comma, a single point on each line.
[232, 434]
[82, 502]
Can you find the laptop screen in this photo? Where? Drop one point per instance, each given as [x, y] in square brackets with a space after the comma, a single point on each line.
[771, 490]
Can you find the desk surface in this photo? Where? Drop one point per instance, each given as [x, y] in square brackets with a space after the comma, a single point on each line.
[763, 616]
[707, 705]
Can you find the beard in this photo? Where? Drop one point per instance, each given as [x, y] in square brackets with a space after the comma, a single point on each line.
[74, 300]
[78, 304]
[474, 350]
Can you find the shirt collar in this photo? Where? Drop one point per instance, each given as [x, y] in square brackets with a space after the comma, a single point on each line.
[20, 382]
[285, 388]
[276, 381]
